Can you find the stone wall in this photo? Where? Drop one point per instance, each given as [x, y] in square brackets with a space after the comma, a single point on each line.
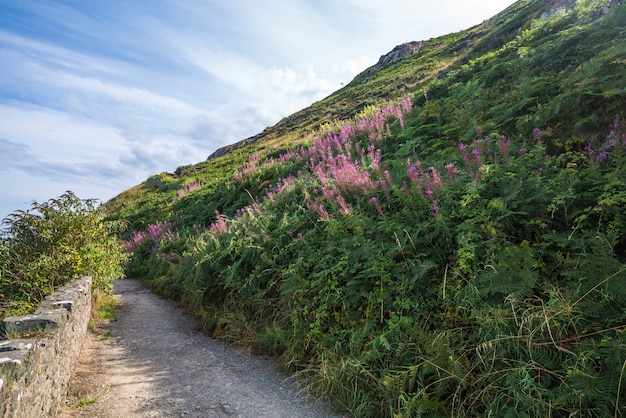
[38, 352]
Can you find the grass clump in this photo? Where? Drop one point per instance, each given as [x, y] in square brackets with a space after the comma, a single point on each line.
[86, 401]
[105, 308]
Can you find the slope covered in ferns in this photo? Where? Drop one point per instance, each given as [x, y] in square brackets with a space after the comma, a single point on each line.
[444, 236]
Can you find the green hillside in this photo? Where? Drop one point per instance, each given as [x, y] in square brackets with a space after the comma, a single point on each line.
[444, 236]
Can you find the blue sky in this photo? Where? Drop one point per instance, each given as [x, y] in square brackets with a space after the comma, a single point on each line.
[98, 95]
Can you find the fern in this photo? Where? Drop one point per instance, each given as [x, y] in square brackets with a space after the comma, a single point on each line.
[510, 275]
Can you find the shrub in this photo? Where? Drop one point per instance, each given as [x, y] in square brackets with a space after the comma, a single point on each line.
[53, 243]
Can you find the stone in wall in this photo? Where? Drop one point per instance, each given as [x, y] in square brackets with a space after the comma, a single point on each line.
[35, 370]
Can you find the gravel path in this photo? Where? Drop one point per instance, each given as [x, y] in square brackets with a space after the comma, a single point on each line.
[155, 365]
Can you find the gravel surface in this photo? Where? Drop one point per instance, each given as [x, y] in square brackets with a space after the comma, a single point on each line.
[151, 363]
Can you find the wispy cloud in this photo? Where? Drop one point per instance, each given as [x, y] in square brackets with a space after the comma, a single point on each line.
[13, 155]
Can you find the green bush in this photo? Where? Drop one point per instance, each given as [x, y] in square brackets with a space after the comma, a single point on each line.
[53, 243]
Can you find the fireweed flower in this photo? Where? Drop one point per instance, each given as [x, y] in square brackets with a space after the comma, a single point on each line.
[343, 166]
[463, 150]
[413, 173]
[414, 170]
[590, 152]
[321, 210]
[388, 177]
[434, 179]
[377, 205]
[344, 207]
[479, 145]
[436, 207]
[451, 172]
[194, 185]
[537, 136]
[477, 156]
[159, 229]
[219, 226]
[504, 144]
[136, 238]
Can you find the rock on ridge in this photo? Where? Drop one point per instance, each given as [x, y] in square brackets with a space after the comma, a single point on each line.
[230, 148]
[399, 53]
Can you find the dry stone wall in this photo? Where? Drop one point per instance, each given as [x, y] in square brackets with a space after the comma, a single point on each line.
[38, 352]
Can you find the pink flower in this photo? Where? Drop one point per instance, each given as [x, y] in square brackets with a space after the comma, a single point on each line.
[434, 179]
[219, 226]
[537, 136]
[377, 205]
[463, 149]
[451, 172]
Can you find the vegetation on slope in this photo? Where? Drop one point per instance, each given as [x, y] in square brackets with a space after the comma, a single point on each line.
[458, 251]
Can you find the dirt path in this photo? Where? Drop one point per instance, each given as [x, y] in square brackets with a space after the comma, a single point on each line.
[155, 365]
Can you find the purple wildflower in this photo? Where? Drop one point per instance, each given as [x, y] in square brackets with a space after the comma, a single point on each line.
[451, 172]
[219, 226]
[537, 136]
[504, 144]
[377, 205]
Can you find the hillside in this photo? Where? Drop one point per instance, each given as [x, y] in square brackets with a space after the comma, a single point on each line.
[557, 71]
[444, 236]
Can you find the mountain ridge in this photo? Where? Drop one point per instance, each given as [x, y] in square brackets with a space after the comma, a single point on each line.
[404, 50]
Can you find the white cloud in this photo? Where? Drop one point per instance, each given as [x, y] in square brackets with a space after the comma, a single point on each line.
[306, 84]
[56, 134]
[126, 96]
[21, 189]
[53, 55]
[352, 67]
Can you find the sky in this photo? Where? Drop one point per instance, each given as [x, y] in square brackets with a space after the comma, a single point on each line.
[98, 95]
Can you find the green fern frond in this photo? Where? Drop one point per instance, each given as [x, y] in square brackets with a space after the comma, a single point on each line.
[510, 274]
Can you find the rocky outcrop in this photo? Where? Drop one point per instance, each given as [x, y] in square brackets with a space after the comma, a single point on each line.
[397, 54]
[230, 148]
[38, 352]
